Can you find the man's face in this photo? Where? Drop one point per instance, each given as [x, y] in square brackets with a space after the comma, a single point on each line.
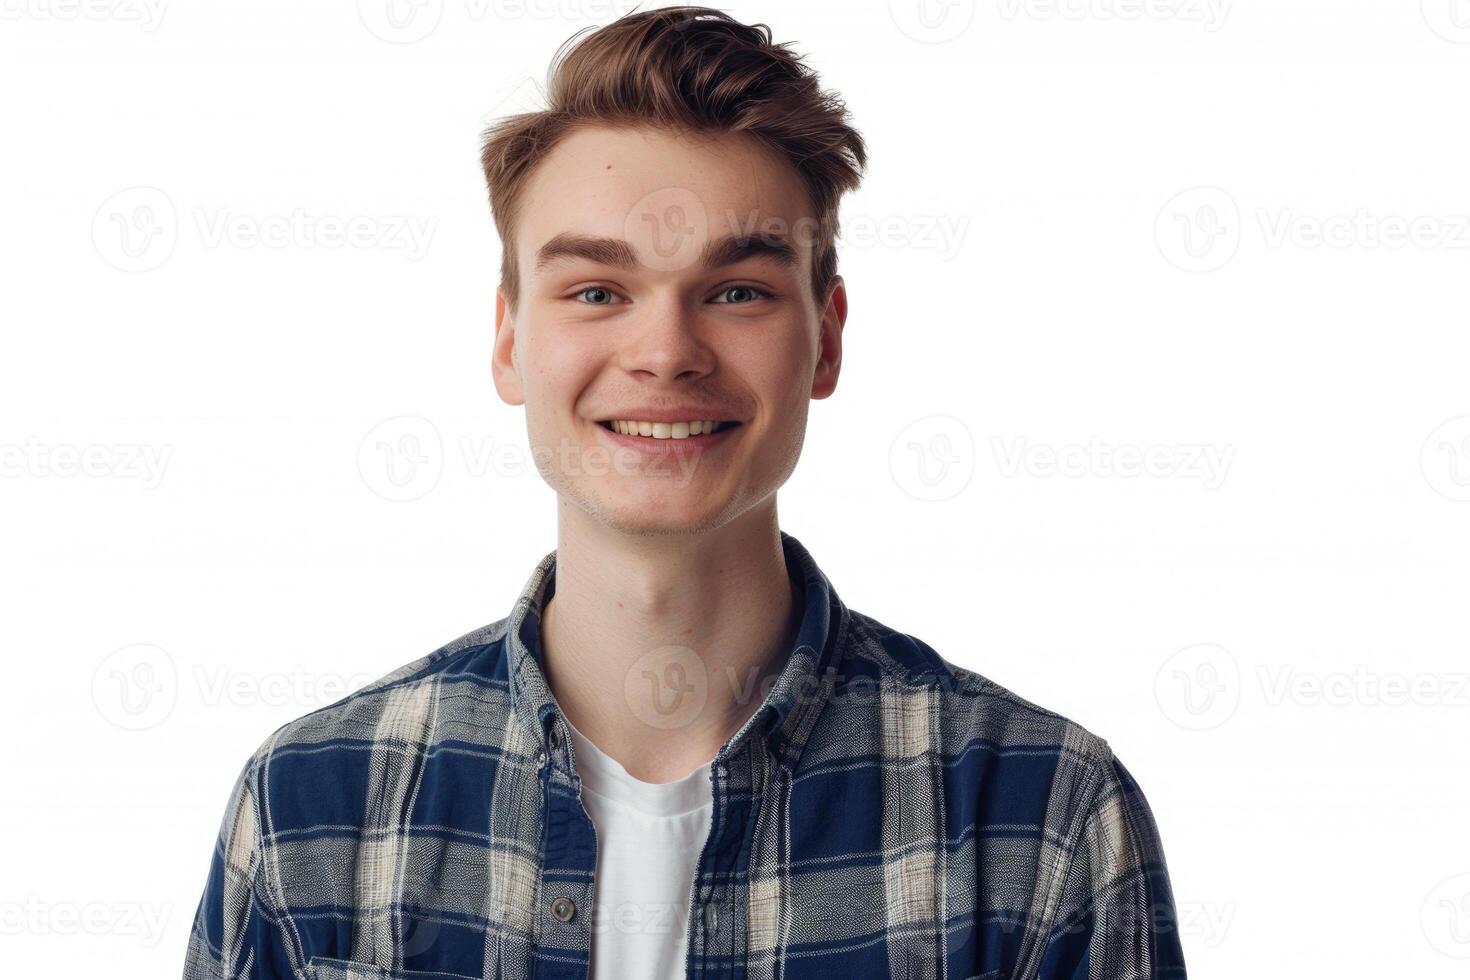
[666, 279]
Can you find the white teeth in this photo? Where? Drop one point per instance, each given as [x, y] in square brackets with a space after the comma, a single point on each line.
[665, 430]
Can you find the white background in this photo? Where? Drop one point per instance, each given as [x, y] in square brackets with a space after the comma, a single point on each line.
[1093, 231]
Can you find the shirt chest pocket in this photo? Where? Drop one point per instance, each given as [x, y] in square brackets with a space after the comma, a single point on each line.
[321, 968]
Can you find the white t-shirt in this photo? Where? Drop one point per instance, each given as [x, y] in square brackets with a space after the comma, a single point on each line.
[649, 836]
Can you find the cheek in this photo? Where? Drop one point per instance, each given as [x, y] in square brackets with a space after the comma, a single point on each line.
[557, 364]
[780, 370]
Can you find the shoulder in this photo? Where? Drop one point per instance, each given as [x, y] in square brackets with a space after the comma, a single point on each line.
[441, 695]
[982, 732]
[972, 706]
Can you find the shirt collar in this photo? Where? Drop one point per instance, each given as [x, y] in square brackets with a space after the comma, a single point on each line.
[785, 717]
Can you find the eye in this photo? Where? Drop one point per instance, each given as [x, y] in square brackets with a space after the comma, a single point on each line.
[751, 292]
[602, 296]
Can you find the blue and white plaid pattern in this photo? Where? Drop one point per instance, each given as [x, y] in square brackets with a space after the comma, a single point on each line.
[884, 813]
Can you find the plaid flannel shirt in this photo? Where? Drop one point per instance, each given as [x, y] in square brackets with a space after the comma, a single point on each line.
[884, 813]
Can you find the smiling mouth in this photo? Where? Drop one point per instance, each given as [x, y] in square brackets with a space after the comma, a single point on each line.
[665, 430]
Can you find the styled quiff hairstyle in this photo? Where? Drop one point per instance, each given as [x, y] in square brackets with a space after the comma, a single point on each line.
[682, 68]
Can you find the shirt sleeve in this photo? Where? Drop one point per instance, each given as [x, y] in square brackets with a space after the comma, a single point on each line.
[234, 935]
[1116, 919]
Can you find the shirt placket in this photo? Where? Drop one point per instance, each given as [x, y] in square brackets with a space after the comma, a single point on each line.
[569, 857]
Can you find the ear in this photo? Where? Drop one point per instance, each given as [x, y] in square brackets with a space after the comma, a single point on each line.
[829, 340]
[504, 366]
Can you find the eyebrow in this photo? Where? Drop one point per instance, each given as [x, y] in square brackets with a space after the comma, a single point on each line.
[615, 252]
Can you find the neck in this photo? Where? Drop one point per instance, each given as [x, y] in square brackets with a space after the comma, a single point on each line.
[659, 647]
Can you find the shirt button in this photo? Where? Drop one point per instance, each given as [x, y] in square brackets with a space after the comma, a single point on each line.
[540, 760]
[711, 917]
[562, 909]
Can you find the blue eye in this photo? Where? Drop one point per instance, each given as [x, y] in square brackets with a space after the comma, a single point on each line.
[595, 289]
[747, 289]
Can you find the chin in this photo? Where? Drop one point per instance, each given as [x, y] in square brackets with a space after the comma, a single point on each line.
[661, 515]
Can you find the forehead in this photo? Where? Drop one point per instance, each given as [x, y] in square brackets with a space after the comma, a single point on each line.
[666, 194]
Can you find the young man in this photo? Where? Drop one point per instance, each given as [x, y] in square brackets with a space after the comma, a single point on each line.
[680, 754]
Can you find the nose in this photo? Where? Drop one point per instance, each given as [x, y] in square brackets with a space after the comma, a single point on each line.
[666, 342]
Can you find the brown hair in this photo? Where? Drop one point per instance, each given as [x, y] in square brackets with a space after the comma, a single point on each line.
[683, 68]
